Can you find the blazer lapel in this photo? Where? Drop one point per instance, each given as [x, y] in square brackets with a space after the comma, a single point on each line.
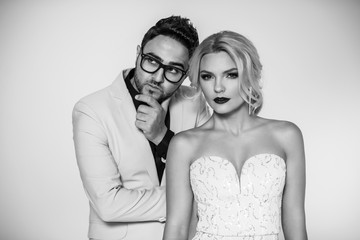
[176, 122]
[144, 154]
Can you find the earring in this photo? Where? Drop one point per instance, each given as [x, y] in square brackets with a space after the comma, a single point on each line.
[250, 98]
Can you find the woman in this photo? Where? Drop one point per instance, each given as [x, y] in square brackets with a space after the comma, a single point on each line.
[233, 169]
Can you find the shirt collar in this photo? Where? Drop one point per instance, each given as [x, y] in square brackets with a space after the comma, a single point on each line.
[133, 92]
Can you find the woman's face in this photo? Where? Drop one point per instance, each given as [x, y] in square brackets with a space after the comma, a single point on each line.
[219, 80]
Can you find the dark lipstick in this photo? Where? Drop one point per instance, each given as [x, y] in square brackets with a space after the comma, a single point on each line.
[221, 100]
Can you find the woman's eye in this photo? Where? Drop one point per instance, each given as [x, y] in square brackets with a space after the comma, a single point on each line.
[233, 75]
[205, 76]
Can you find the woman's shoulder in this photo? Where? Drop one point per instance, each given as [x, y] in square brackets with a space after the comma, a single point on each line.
[184, 145]
[286, 128]
[188, 136]
[280, 126]
[285, 131]
[188, 139]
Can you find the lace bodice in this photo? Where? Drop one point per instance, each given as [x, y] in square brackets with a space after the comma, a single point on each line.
[233, 207]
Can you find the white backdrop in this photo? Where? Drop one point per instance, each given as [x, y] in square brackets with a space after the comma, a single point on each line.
[54, 52]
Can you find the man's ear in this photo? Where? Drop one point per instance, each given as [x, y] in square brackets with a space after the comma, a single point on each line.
[138, 50]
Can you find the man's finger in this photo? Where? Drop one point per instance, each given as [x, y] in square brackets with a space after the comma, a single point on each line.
[141, 116]
[144, 109]
[141, 125]
[148, 100]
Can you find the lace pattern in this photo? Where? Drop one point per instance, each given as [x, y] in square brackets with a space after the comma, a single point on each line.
[238, 207]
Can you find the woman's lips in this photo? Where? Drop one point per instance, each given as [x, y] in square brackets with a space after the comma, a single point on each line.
[221, 100]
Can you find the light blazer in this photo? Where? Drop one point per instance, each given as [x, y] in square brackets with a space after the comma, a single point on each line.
[116, 163]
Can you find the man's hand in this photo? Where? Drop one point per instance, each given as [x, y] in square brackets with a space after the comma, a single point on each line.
[150, 118]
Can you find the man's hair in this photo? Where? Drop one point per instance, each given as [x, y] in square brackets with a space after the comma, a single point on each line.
[177, 28]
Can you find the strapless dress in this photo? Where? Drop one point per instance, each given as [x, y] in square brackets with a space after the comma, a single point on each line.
[233, 207]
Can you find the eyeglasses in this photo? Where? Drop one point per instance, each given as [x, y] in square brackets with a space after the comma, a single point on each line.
[151, 65]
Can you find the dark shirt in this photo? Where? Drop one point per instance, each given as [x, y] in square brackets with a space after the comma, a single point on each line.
[158, 151]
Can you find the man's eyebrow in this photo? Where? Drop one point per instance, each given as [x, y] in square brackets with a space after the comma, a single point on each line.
[175, 64]
[155, 56]
[180, 65]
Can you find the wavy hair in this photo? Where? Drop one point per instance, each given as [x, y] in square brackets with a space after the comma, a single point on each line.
[176, 27]
[242, 51]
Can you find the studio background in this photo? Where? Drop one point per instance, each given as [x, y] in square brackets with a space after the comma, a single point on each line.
[52, 53]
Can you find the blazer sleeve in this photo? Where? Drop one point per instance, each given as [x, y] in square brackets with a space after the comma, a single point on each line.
[101, 177]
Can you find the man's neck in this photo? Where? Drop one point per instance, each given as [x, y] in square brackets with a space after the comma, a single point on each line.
[132, 81]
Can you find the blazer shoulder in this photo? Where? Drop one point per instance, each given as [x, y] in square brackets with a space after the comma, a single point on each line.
[104, 95]
[94, 99]
[188, 95]
[187, 92]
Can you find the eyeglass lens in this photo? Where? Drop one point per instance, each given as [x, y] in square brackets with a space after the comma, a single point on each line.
[151, 65]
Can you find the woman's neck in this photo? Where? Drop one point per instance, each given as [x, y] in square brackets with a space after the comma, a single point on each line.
[235, 123]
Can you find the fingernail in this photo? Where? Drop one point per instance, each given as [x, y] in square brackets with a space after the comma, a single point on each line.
[136, 97]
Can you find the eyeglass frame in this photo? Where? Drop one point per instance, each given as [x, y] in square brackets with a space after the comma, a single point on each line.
[161, 65]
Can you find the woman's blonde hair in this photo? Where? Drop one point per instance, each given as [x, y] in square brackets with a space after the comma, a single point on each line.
[244, 54]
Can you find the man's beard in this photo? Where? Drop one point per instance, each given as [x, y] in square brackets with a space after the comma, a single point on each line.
[150, 88]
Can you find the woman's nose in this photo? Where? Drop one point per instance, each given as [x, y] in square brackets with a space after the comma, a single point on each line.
[219, 87]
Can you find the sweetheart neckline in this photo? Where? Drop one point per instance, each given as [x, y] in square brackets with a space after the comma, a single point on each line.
[253, 156]
[233, 166]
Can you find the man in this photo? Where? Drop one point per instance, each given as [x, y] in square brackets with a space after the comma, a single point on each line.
[121, 134]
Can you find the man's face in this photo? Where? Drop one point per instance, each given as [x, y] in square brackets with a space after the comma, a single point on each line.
[167, 51]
